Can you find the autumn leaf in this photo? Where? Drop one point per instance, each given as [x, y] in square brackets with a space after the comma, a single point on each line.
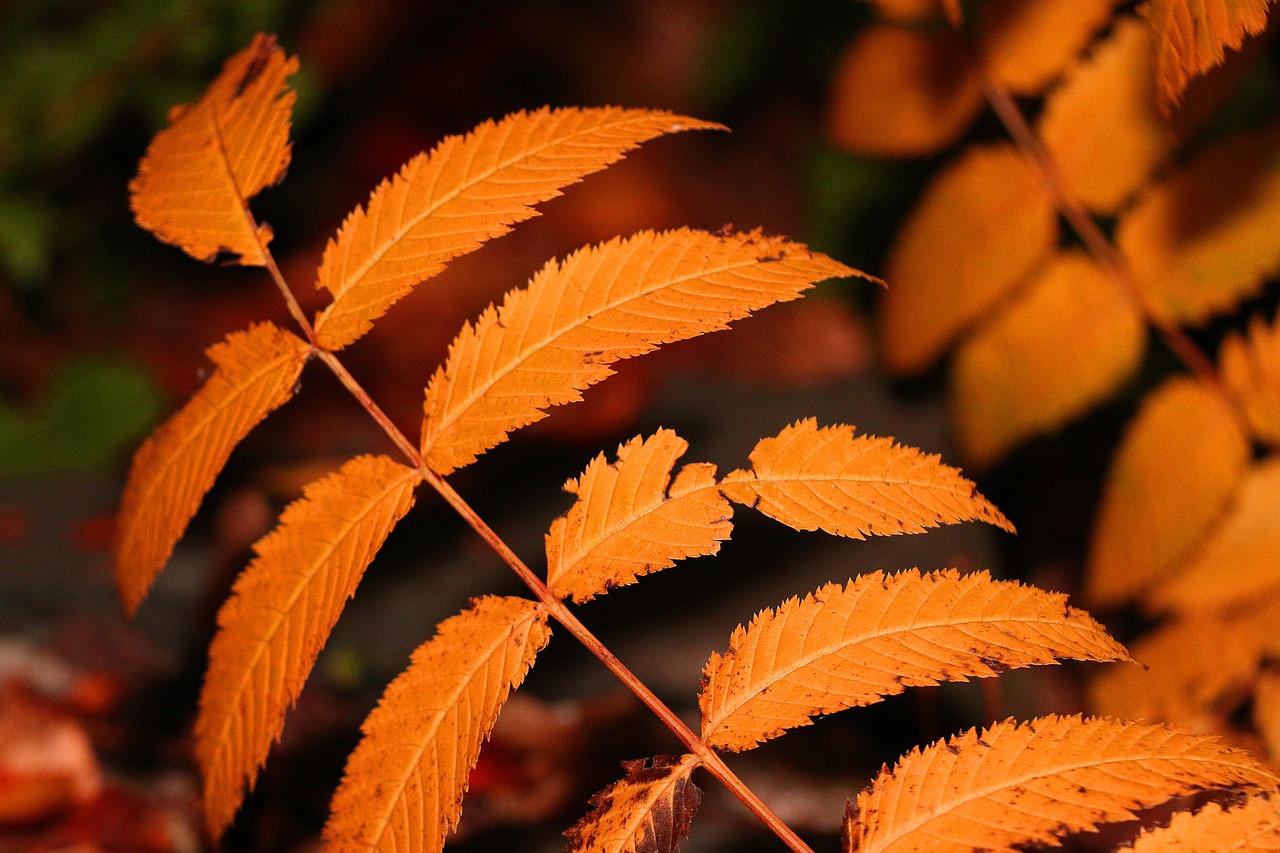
[1193, 35]
[1027, 43]
[279, 615]
[1250, 365]
[844, 647]
[558, 336]
[467, 190]
[1014, 786]
[632, 518]
[194, 184]
[648, 811]
[813, 478]
[254, 373]
[1249, 827]
[403, 786]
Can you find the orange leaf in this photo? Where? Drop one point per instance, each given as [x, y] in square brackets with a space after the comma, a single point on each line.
[982, 225]
[1253, 825]
[631, 518]
[623, 298]
[469, 189]
[279, 615]
[254, 374]
[1015, 786]
[902, 92]
[844, 647]
[828, 479]
[404, 782]
[194, 184]
[1251, 368]
[1014, 379]
[1152, 512]
[1102, 126]
[648, 811]
[1204, 239]
[1266, 711]
[1193, 36]
[1027, 43]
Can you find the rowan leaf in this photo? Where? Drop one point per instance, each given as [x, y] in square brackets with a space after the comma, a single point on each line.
[1013, 379]
[1204, 239]
[647, 811]
[195, 181]
[254, 373]
[1027, 43]
[981, 227]
[1249, 827]
[467, 190]
[1250, 365]
[826, 478]
[279, 616]
[844, 647]
[624, 298]
[1193, 35]
[1014, 786]
[1151, 512]
[1102, 125]
[632, 518]
[404, 783]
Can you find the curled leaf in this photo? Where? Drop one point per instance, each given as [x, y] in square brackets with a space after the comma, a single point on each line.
[648, 811]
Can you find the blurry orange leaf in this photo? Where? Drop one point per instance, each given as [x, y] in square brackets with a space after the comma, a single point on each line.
[1253, 825]
[1193, 35]
[1237, 560]
[983, 224]
[279, 616]
[1204, 239]
[1027, 43]
[827, 478]
[901, 92]
[1152, 512]
[631, 518]
[844, 647]
[623, 298]
[1250, 366]
[404, 782]
[1014, 379]
[469, 189]
[194, 184]
[1014, 786]
[907, 10]
[1266, 713]
[1102, 126]
[648, 811]
[254, 373]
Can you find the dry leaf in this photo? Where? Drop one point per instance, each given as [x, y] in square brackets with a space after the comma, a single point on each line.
[648, 811]
[404, 782]
[631, 518]
[1250, 827]
[828, 479]
[279, 616]
[844, 647]
[1014, 786]
[1192, 36]
[558, 336]
[983, 224]
[469, 189]
[1152, 512]
[1014, 379]
[1250, 365]
[1027, 43]
[254, 373]
[194, 184]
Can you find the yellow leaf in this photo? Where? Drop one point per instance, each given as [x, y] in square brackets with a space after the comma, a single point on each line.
[982, 225]
[623, 298]
[844, 647]
[194, 184]
[404, 783]
[901, 92]
[1237, 560]
[1153, 512]
[631, 518]
[279, 615]
[1102, 126]
[1015, 786]
[254, 373]
[1014, 379]
[1249, 827]
[648, 811]
[1193, 35]
[1251, 368]
[469, 189]
[1027, 43]
[828, 479]
[1204, 238]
